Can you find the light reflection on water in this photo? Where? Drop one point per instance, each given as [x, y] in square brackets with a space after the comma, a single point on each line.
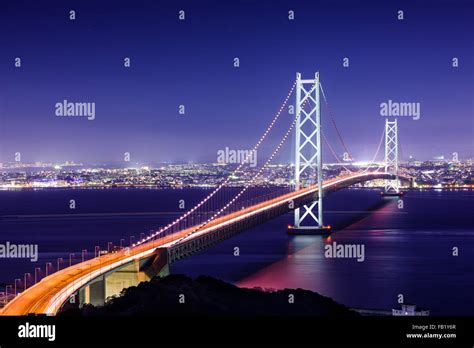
[398, 260]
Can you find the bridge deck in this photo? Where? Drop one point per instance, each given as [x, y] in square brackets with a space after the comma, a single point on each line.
[47, 296]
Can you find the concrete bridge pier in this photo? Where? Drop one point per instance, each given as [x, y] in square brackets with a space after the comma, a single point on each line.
[97, 291]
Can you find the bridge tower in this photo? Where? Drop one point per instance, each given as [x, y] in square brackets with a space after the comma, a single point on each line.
[392, 187]
[308, 158]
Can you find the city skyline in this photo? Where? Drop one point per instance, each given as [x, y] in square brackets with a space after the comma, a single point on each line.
[425, 175]
[191, 63]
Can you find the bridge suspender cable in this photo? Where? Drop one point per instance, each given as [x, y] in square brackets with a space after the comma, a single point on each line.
[332, 150]
[334, 122]
[246, 160]
[334, 154]
[226, 181]
[376, 153]
[400, 149]
[254, 178]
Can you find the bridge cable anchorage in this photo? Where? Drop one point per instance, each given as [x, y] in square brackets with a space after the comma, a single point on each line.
[334, 122]
[253, 179]
[226, 181]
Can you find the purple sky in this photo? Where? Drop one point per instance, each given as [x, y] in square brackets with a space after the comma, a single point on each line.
[191, 63]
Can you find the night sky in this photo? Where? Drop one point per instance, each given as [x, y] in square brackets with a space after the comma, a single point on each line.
[191, 63]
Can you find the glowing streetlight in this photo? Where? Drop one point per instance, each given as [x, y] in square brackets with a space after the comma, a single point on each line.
[19, 280]
[27, 275]
[48, 264]
[37, 269]
[6, 292]
[60, 259]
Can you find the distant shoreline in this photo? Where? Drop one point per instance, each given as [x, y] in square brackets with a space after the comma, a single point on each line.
[155, 187]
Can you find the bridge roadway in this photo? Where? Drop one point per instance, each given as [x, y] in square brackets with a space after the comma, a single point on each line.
[48, 295]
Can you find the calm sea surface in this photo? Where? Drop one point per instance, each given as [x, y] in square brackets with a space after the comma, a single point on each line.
[408, 251]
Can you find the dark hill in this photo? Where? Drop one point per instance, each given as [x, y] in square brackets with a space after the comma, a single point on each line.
[209, 296]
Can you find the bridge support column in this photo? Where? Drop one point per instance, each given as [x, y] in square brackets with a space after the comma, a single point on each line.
[308, 157]
[93, 293]
[392, 187]
[133, 273]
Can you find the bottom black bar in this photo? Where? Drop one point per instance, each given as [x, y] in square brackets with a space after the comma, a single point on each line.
[290, 331]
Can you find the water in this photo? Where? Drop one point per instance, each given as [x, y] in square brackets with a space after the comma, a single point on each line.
[407, 251]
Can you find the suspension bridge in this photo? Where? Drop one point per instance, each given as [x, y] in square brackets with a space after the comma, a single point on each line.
[219, 216]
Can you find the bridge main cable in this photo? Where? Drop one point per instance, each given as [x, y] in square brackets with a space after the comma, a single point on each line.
[334, 122]
[254, 178]
[334, 153]
[376, 154]
[226, 181]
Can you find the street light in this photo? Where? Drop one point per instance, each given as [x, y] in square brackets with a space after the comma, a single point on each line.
[48, 264]
[27, 275]
[131, 240]
[15, 285]
[70, 259]
[6, 290]
[60, 259]
[36, 276]
[121, 243]
[84, 251]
